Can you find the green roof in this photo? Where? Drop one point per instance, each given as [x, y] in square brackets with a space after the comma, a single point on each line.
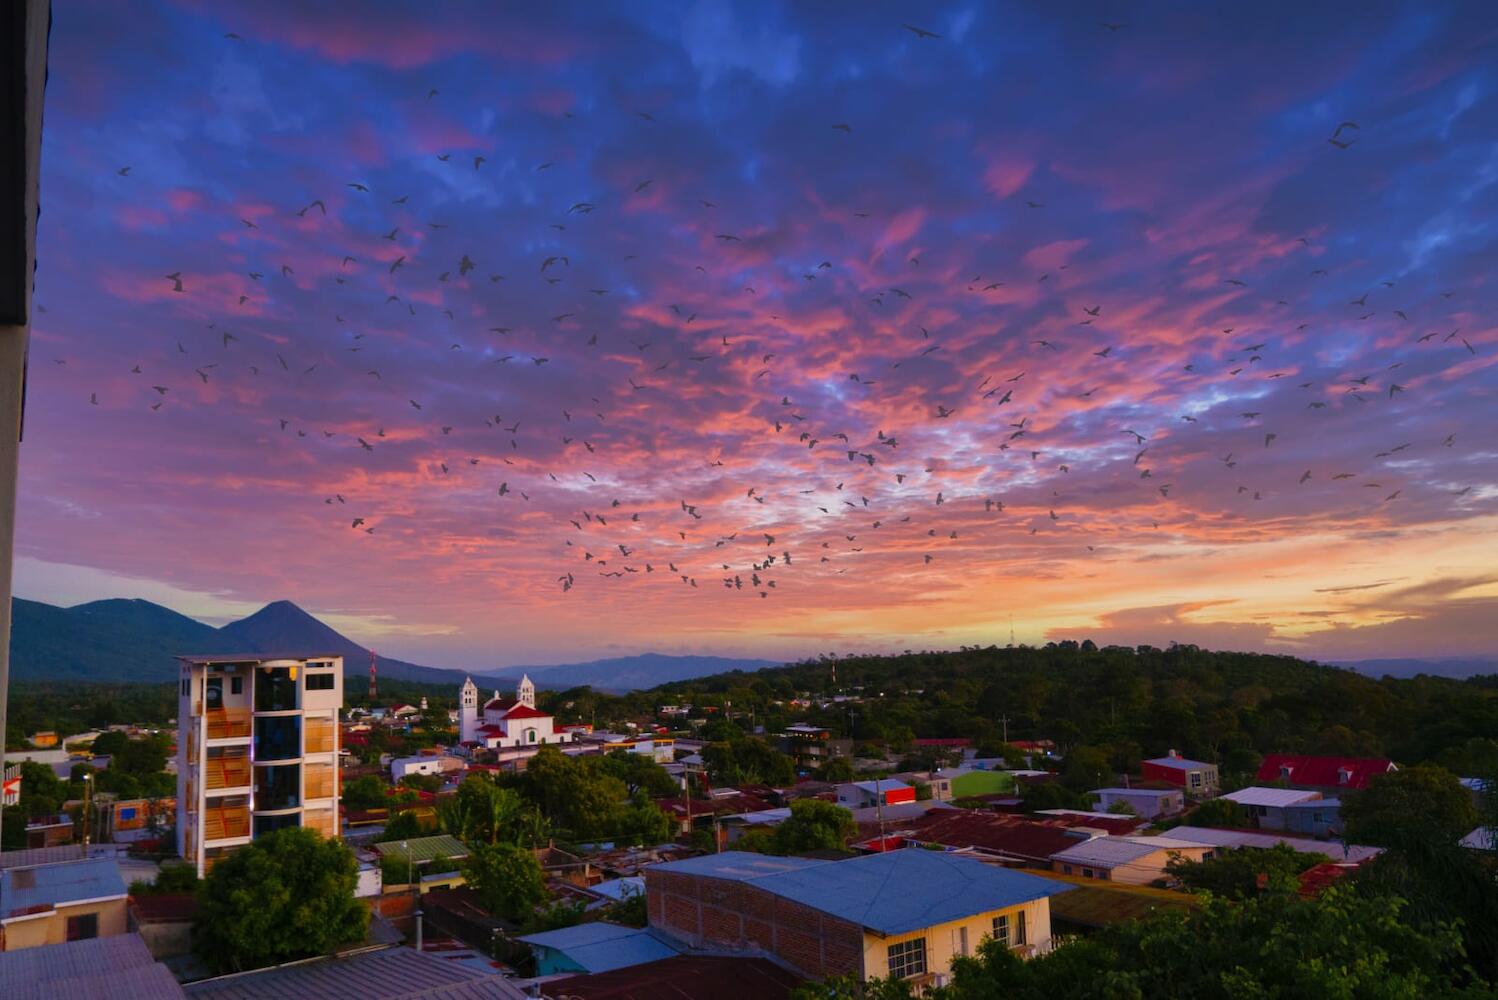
[422, 849]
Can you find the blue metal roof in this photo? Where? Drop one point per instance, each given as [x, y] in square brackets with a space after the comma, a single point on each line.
[600, 947]
[735, 865]
[58, 884]
[889, 893]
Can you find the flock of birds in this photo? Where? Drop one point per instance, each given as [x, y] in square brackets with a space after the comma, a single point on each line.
[612, 535]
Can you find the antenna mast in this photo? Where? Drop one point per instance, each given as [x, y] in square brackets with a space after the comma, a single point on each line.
[372, 688]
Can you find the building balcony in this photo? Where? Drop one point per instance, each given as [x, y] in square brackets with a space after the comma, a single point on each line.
[228, 771]
[320, 736]
[226, 822]
[228, 723]
[320, 782]
[321, 820]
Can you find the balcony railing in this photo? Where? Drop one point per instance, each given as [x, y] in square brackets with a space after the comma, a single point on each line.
[224, 822]
[320, 783]
[228, 723]
[226, 772]
[319, 736]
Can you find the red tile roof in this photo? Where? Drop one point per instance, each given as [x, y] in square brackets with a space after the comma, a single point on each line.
[1316, 879]
[945, 741]
[1118, 826]
[1324, 772]
[165, 908]
[500, 704]
[685, 977]
[526, 712]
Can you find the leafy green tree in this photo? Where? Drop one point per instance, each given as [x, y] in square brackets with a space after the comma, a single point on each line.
[42, 791]
[1038, 795]
[747, 760]
[422, 782]
[554, 916]
[814, 825]
[1409, 805]
[172, 879]
[141, 757]
[402, 826]
[508, 880]
[1086, 768]
[1239, 873]
[836, 770]
[851, 988]
[639, 774]
[1275, 945]
[365, 792]
[287, 895]
[1218, 812]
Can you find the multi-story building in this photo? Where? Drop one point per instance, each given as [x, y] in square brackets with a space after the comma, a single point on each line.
[812, 746]
[257, 749]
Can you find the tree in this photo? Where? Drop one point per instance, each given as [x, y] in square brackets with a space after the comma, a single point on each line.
[1038, 795]
[1086, 768]
[508, 880]
[554, 916]
[423, 782]
[1218, 812]
[639, 774]
[42, 792]
[1275, 945]
[1123, 808]
[365, 792]
[402, 826]
[812, 826]
[747, 760]
[287, 895]
[835, 770]
[632, 910]
[1407, 806]
[1240, 873]
[851, 988]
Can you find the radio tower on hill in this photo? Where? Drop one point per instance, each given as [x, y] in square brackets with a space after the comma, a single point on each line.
[372, 691]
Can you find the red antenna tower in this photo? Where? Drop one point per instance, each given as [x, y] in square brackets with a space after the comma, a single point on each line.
[372, 691]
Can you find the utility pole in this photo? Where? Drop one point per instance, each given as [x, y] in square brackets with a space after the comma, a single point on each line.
[1004, 719]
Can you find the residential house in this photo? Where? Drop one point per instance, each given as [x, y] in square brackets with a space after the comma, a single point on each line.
[1324, 774]
[1151, 803]
[120, 965]
[1213, 837]
[1315, 818]
[1266, 807]
[812, 746]
[44, 740]
[391, 973]
[438, 764]
[49, 904]
[661, 749]
[1197, 777]
[1010, 840]
[49, 831]
[864, 794]
[418, 853]
[902, 914]
[1130, 860]
[128, 820]
[597, 947]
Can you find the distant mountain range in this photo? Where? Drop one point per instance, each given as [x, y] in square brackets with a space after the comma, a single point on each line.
[1456, 668]
[124, 640]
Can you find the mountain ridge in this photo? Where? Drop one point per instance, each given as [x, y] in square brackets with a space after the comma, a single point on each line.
[135, 640]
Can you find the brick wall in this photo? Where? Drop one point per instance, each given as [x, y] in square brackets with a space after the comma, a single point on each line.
[731, 914]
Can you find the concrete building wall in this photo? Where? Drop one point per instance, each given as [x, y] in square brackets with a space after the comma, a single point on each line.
[944, 942]
[52, 927]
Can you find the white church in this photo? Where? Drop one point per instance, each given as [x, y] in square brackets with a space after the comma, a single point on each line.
[505, 722]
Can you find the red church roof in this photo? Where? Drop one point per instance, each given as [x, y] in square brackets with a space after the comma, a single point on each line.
[526, 712]
[1322, 772]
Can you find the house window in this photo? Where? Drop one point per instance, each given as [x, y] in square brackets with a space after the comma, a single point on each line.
[907, 959]
[83, 927]
[1088, 873]
[530, 736]
[319, 682]
[1066, 869]
[1284, 772]
[1019, 929]
[1001, 929]
[1195, 778]
[236, 685]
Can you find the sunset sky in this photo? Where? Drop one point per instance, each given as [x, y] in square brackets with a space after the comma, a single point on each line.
[1071, 316]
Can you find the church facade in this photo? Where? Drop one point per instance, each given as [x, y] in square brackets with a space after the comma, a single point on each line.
[505, 722]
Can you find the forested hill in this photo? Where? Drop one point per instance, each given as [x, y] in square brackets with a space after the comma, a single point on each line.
[1220, 706]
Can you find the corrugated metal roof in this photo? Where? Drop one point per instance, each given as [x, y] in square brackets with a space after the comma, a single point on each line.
[387, 974]
[117, 966]
[686, 977]
[735, 865]
[1158, 793]
[1215, 837]
[601, 947]
[1275, 798]
[55, 884]
[896, 891]
[1180, 763]
[1109, 852]
[420, 849]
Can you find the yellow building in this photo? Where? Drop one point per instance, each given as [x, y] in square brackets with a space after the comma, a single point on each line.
[904, 914]
[64, 901]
